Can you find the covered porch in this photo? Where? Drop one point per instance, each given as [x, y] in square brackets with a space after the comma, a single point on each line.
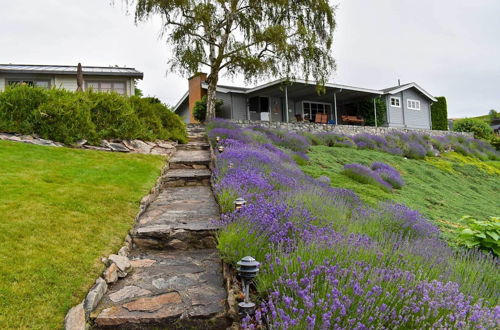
[300, 101]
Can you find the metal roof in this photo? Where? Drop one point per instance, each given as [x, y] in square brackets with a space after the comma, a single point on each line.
[70, 70]
[397, 89]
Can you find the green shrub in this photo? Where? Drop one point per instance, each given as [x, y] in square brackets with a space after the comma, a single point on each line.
[200, 109]
[495, 141]
[65, 117]
[367, 111]
[439, 114]
[480, 128]
[114, 117]
[17, 108]
[481, 234]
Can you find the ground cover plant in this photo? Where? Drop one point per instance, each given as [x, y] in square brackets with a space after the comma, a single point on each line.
[68, 117]
[330, 260]
[61, 210]
[412, 145]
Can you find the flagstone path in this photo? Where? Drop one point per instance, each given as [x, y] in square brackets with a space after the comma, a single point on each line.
[177, 280]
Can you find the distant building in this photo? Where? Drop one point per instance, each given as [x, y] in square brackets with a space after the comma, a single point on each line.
[105, 79]
[408, 105]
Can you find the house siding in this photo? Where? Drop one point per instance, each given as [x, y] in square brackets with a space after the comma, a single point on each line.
[416, 118]
[2, 83]
[394, 114]
[239, 102]
[226, 106]
[183, 111]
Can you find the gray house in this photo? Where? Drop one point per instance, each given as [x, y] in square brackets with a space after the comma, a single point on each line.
[407, 105]
[104, 79]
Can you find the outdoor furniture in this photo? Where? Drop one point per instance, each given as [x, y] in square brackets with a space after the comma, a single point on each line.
[357, 120]
[321, 118]
[299, 118]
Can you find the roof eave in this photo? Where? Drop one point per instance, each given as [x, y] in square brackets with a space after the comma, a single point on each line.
[138, 75]
[184, 97]
[412, 85]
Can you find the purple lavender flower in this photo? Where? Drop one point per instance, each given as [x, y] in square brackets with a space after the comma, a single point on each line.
[364, 174]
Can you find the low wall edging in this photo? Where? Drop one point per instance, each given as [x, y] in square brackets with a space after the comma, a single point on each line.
[343, 129]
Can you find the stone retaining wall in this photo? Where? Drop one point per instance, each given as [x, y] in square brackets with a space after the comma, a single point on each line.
[166, 148]
[342, 129]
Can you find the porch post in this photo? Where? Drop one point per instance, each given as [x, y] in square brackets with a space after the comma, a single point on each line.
[286, 103]
[375, 111]
[335, 106]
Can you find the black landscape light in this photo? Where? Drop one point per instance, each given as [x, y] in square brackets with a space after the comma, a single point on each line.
[248, 268]
[220, 148]
[230, 165]
[217, 138]
[239, 203]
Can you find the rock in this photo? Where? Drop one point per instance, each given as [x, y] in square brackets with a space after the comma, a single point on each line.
[96, 148]
[81, 143]
[156, 150]
[116, 316]
[324, 179]
[111, 274]
[178, 244]
[138, 146]
[122, 262]
[123, 251]
[94, 296]
[142, 263]
[166, 144]
[152, 304]
[115, 146]
[75, 319]
[128, 292]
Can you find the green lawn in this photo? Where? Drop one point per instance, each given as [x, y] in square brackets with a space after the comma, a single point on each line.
[61, 210]
[442, 188]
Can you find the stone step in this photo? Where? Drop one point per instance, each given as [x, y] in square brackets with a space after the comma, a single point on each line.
[195, 145]
[181, 218]
[167, 290]
[187, 177]
[190, 159]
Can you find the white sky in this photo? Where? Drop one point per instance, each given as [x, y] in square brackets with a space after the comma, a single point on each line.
[449, 47]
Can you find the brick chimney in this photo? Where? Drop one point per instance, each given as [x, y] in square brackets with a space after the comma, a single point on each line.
[196, 92]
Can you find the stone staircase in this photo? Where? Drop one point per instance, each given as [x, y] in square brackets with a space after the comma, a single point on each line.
[177, 280]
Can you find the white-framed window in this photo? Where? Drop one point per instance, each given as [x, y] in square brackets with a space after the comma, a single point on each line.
[310, 109]
[395, 102]
[30, 82]
[107, 86]
[413, 104]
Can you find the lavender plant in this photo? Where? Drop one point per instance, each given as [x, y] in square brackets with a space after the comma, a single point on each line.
[330, 261]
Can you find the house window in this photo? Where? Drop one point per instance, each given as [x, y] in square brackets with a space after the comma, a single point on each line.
[395, 102]
[107, 86]
[30, 82]
[310, 109]
[413, 104]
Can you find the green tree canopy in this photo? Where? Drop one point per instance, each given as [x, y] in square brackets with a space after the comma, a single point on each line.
[439, 114]
[256, 38]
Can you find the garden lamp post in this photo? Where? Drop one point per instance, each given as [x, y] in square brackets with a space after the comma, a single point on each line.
[230, 165]
[217, 139]
[248, 268]
[220, 148]
[239, 203]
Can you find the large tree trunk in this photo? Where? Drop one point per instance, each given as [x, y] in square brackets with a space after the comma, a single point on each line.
[212, 95]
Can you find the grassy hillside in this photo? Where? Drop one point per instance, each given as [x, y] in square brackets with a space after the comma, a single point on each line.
[443, 189]
[60, 211]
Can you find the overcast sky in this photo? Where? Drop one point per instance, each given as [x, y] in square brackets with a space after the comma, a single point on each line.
[449, 47]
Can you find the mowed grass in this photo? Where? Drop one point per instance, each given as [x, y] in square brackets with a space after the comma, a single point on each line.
[61, 210]
[442, 188]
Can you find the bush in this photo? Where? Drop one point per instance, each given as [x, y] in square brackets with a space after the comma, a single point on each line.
[439, 114]
[17, 108]
[65, 117]
[365, 175]
[368, 114]
[158, 121]
[480, 128]
[481, 234]
[200, 109]
[114, 117]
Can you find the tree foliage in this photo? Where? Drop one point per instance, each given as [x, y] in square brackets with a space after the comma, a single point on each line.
[200, 109]
[439, 114]
[256, 38]
[479, 127]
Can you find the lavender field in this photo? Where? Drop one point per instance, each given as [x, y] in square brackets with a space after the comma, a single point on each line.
[332, 261]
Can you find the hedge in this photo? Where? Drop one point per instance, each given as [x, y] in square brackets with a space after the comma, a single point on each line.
[439, 114]
[479, 127]
[67, 117]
